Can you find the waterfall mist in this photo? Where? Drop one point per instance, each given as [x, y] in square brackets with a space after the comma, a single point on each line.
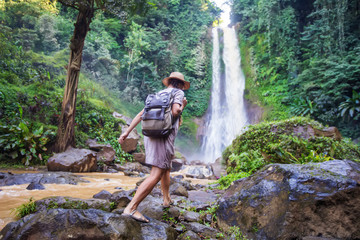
[226, 116]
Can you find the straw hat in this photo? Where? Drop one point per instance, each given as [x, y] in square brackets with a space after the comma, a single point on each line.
[178, 76]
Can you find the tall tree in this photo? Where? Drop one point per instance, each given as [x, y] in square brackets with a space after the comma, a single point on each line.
[86, 10]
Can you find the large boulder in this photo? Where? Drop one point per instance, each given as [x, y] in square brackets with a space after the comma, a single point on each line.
[198, 171]
[7, 179]
[105, 152]
[293, 201]
[84, 224]
[131, 142]
[106, 155]
[72, 203]
[73, 160]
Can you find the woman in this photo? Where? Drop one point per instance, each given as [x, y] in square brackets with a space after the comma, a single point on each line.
[159, 151]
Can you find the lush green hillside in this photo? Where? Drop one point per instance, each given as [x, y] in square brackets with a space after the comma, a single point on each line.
[303, 58]
[123, 61]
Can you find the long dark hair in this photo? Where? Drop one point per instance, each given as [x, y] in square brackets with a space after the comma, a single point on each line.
[176, 83]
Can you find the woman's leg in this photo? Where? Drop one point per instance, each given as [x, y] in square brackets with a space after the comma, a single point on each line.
[165, 185]
[144, 189]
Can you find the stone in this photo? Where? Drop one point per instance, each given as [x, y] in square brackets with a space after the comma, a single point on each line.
[139, 157]
[191, 216]
[121, 198]
[95, 146]
[202, 230]
[103, 195]
[8, 179]
[202, 196]
[106, 155]
[293, 201]
[35, 186]
[189, 235]
[133, 167]
[72, 203]
[309, 131]
[198, 171]
[331, 132]
[178, 189]
[152, 207]
[85, 224]
[176, 164]
[131, 142]
[218, 169]
[73, 160]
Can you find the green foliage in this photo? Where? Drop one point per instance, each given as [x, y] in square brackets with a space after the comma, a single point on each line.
[351, 106]
[22, 142]
[26, 208]
[282, 142]
[236, 233]
[301, 58]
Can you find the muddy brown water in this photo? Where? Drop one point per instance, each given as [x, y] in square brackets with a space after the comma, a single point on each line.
[13, 196]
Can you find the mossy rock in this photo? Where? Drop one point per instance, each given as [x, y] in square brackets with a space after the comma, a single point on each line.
[296, 140]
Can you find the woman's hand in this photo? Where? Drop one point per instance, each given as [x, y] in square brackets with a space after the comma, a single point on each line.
[184, 102]
[123, 137]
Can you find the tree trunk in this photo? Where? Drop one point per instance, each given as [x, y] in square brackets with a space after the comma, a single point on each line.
[66, 132]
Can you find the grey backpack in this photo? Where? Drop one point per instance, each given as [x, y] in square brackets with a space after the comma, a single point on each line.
[157, 120]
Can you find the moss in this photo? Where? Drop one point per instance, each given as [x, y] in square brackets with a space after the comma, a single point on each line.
[276, 142]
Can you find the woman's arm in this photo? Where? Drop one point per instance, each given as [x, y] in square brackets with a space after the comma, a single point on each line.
[133, 124]
[177, 108]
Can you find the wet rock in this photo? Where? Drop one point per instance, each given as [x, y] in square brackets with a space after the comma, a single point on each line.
[292, 201]
[191, 216]
[35, 186]
[189, 235]
[73, 160]
[152, 207]
[139, 157]
[174, 212]
[218, 169]
[176, 164]
[103, 195]
[200, 172]
[72, 203]
[309, 131]
[131, 142]
[179, 177]
[85, 224]
[202, 230]
[178, 189]
[7, 179]
[106, 155]
[121, 198]
[95, 146]
[111, 170]
[133, 167]
[203, 196]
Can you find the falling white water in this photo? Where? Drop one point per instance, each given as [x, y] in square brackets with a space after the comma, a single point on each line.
[226, 116]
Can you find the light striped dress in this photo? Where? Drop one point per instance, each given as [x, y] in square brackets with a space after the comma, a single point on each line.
[160, 151]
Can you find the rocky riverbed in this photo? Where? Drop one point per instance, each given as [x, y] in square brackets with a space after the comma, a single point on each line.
[281, 201]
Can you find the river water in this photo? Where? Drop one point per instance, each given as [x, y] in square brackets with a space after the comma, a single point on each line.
[13, 196]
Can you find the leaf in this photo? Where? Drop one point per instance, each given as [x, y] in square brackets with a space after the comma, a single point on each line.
[33, 150]
[23, 127]
[38, 132]
[23, 151]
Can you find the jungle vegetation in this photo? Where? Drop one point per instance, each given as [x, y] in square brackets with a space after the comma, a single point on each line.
[302, 58]
[124, 57]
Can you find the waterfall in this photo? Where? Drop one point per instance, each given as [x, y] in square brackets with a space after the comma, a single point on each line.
[226, 116]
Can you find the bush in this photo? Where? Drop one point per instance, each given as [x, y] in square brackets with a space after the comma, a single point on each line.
[276, 142]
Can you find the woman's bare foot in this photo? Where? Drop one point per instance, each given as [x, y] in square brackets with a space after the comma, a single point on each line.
[135, 214]
[167, 201]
